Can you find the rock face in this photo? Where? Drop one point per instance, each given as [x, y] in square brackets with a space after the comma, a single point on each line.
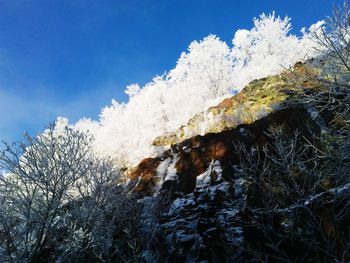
[224, 192]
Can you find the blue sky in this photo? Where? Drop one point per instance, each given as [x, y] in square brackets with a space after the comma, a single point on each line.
[71, 57]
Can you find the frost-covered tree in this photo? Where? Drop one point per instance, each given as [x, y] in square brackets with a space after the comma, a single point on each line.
[201, 77]
[207, 64]
[333, 41]
[132, 125]
[208, 72]
[268, 48]
[57, 199]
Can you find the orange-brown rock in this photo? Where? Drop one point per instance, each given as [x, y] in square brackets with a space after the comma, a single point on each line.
[193, 156]
[145, 175]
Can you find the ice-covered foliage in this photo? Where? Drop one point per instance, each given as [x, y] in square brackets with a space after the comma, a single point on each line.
[209, 71]
[268, 48]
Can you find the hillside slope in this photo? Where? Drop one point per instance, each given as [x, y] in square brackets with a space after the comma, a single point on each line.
[262, 176]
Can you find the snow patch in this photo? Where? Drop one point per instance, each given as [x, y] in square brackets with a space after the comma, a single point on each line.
[163, 167]
[204, 179]
[171, 171]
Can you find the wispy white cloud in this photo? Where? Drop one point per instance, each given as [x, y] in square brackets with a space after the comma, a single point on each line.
[20, 112]
[29, 105]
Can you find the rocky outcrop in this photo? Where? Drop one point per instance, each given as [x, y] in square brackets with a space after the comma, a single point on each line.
[192, 157]
[226, 193]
